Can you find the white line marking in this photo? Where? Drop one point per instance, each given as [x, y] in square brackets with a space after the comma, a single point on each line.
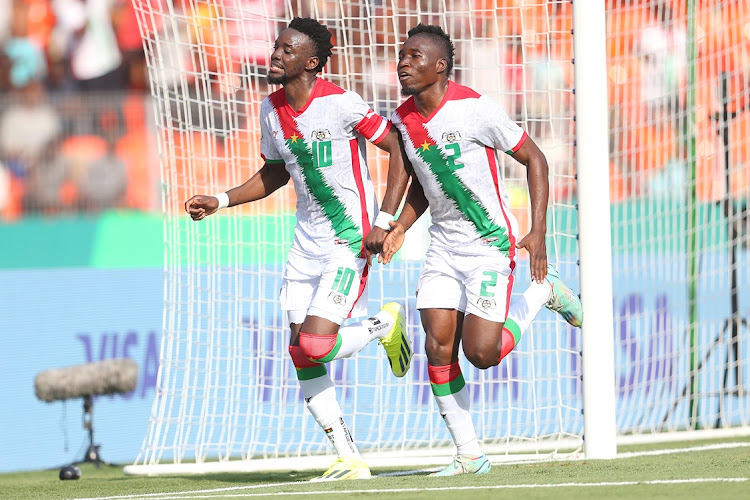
[717, 446]
[462, 488]
[181, 494]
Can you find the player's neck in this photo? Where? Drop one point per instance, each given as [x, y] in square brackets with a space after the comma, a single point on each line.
[428, 100]
[298, 91]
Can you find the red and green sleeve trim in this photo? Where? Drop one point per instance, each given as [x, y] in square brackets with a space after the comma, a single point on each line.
[518, 146]
[446, 380]
[272, 161]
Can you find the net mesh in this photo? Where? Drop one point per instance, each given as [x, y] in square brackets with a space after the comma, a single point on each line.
[227, 388]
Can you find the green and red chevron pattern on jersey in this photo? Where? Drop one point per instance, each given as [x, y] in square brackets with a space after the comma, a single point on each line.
[335, 211]
[444, 170]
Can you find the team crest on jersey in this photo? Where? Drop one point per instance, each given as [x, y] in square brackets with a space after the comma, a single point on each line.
[453, 136]
[321, 134]
[486, 303]
[337, 298]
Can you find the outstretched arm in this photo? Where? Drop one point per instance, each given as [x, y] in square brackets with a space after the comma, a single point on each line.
[265, 181]
[398, 177]
[537, 173]
[415, 206]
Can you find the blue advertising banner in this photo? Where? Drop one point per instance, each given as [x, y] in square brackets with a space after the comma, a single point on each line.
[56, 318]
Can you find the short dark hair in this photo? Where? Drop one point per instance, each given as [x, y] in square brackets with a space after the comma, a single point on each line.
[441, 37]
[320, 36]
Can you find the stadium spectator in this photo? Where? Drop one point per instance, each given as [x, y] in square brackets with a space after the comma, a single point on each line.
[129, 41]
[29, 126]
[661, 46]
[95, 58]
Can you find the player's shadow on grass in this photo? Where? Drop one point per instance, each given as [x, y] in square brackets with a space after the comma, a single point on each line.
[250, 478]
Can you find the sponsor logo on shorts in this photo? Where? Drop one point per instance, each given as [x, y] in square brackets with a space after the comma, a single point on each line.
[337, 298]
[452, 136]
[486, 303]
[321, 134]
[340, 241]
[487, 241]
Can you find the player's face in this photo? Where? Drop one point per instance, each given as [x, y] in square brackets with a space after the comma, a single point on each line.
[419, 64]
[292, 54]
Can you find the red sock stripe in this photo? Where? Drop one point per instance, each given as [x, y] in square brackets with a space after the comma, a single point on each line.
[509, 342]
[299, 359]
[316, 346]
[443, 374]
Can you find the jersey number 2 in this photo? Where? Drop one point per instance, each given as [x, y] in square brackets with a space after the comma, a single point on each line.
[455, 154]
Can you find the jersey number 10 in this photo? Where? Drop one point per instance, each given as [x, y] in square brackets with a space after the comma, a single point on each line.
[322, 154]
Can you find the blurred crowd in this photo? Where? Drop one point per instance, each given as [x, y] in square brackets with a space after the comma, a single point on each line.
[72, 108]
[75, 110]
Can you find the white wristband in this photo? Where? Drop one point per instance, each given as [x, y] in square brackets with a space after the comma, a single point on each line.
[223, 200]
[382, 220]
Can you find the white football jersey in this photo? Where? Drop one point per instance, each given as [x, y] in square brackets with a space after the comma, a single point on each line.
[454, 152]
[322, 147]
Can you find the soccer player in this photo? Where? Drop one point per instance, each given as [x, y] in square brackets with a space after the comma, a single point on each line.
[313, 132]
[452, 137]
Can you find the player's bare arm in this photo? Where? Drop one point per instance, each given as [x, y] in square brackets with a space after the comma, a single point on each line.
[398, 177]
[265, 181]
[537, 173]
[415, 205]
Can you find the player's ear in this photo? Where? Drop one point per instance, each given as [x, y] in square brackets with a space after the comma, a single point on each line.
[312, 63]
[442, 65]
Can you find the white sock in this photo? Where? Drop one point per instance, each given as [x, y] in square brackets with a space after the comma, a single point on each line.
[454, 409]
[454, 406]
[356, 336]
[524, 309]
[320, 397]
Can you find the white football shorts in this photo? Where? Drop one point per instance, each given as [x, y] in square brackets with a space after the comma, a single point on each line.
[330, 286]
[474, 284]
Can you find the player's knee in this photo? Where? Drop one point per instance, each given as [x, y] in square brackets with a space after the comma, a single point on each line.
[317, 347]
[482, 358]
[438, 353]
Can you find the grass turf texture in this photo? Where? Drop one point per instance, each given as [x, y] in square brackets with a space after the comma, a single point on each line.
[547, 477]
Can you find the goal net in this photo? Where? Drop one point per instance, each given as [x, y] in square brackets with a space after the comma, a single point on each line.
[227, 393]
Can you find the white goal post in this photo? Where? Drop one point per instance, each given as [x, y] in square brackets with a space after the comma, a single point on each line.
[657, 352]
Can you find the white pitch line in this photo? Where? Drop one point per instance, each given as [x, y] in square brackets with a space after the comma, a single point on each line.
[466, 488]
[717, 446]
[180, 494]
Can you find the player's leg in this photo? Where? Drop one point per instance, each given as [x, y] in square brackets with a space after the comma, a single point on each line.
[488, 282]
[442, 327]
[553, 294]
[320, 399]
[301, 278]
[441, 300]
[342, 290]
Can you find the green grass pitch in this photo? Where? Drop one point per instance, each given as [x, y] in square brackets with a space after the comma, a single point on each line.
[699, 469]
